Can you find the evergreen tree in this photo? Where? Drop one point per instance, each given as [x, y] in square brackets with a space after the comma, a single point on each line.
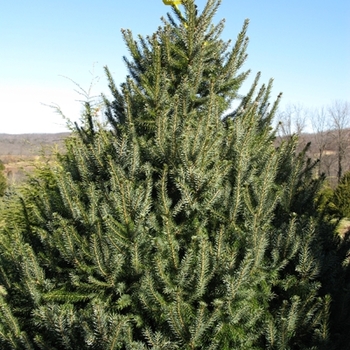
[179, 226]
[339, 203]
[335, 270]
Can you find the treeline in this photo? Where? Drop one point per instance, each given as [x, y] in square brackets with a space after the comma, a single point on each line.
[25, 145]
[327, 129]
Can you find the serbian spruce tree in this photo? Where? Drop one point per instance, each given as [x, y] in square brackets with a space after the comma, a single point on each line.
[179, 225]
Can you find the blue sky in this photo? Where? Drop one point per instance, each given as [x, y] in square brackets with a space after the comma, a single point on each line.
[303, 45]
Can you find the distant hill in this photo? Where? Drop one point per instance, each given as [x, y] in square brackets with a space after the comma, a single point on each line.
[28, 144]
[18, 152]
[326, 145]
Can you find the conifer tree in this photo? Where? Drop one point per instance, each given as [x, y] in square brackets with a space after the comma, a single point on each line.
[180, 225]
[339, 203]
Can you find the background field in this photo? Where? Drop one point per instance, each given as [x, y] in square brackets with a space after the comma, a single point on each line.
[19, 153]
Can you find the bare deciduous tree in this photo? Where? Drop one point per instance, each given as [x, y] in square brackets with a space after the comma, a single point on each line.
[339, 113]
[292, 120]
[321, 136]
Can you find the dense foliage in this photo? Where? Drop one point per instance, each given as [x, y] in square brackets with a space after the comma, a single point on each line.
[3, 182]
[338, 201]
[178, 226]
